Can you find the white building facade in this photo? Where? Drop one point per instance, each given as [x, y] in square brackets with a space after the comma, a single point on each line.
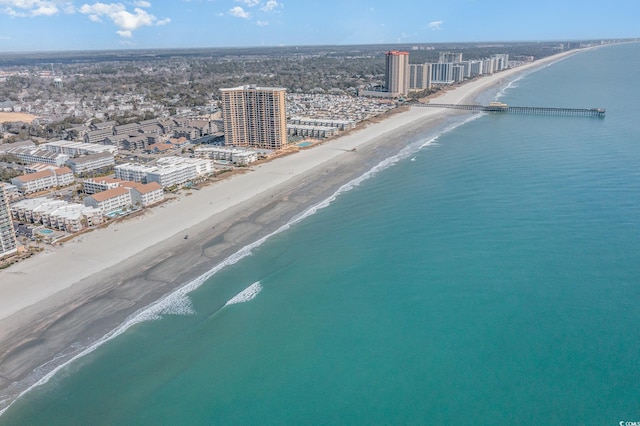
[8, 244]
[46, 179]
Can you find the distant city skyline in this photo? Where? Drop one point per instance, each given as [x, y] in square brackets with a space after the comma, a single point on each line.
[50, 25]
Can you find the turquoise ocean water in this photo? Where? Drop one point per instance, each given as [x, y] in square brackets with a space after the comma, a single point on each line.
[489, 277]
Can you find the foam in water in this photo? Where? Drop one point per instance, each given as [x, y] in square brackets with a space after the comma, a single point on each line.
[245, 295]
[178, 302]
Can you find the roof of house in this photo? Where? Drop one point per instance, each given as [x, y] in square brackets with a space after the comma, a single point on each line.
[178, 141]
[35, 176]
[109, 193]
[161, 147]
[148, 187]
[62, 171]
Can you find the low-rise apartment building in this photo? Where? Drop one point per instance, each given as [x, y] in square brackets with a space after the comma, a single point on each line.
[317, 132]
[172, 174]
[146, 194]
[58, 214]
[46, 179]
[241, 157]
[98, 136]
[35, 155]
[95, 185]
[92, 162]
[110, 200]
[133, 171]
[74, 149]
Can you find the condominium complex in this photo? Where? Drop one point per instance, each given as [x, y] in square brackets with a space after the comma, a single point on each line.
[419, 76]
[452, 69]
[449, 57]
[396, 77]
[110, 200]
[324, 122]
[168, 171]
[36, 155]
[241, 157]
[58, 214]
[8, 243]
[254, 117]
[306, 130]
[46, 179]
[88, 163]
[125, 195]
[133, 171]
[442, 73]
[73, 149]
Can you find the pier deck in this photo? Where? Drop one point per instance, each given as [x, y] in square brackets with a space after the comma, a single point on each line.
[503, 108]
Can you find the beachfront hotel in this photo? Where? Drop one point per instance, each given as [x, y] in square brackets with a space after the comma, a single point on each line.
[8, 245]
[396, 76]
[254, 117]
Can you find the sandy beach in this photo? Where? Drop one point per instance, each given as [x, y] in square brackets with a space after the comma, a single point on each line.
[65, 298]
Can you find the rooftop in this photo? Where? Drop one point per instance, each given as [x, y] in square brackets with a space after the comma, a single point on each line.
[109, 193]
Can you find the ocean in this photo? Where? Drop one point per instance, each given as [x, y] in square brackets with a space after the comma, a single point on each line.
[489, 275]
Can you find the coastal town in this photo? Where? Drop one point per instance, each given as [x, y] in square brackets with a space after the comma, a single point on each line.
[118, 154]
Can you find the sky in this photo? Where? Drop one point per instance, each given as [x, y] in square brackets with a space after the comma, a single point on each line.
[54, 25]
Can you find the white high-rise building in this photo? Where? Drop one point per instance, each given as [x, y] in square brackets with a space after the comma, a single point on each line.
[449, 57]
[441, 73]
[457, 73]
[8, 245]
[419, 76]
[475, 68]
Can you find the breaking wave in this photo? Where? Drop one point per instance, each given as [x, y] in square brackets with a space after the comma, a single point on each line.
[245, 295]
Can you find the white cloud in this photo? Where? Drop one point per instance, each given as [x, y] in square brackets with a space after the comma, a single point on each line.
[435, 25]
[249, 3]
[270, 5]
[127, 22]
[142, 3]
[30, 8]
[262, 23]
[239, 12]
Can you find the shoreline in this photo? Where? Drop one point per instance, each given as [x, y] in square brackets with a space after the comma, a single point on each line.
[51, 303]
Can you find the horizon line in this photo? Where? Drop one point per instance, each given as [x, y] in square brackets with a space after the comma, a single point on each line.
[282, 46]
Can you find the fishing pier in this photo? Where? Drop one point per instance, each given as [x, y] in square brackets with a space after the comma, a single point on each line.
[499, 107]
